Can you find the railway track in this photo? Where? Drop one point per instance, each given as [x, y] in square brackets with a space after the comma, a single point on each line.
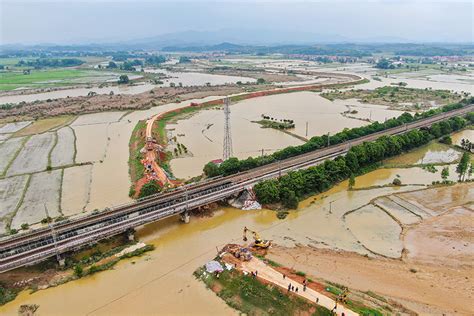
[37, 245]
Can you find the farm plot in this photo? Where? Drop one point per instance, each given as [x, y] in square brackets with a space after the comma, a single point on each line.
[98, 118]
[11, 191]
[75, 189]
[377, 231]
[34, 155]
[91, 142]
[403, 215]
[44, 125]
[63, 152]
[43, 191]
[4, 137]
[13, 127]
[8, 150]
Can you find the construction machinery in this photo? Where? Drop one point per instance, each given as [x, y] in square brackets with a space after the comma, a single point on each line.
[258, 242]
[238, 251]
[342, 297]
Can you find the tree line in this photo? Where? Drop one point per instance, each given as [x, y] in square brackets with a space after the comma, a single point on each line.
[290, 188]
[50, 62]
[235, 165]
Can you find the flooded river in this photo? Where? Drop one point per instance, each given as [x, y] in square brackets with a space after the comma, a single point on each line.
[162, 280]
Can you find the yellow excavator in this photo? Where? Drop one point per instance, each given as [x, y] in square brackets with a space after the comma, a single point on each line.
[258, 242]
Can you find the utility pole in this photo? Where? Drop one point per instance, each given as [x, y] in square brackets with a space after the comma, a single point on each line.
[262, 152]
[227, 151]
[328, 139]
[306, 128]
[53, 234]
[330, 206]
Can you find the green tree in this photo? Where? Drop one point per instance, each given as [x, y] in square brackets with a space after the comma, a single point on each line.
[446, 140]
[78, 271]
[445, 173]
[463, 166]
[149, 188]
[211, 169]
[123, 79]
[289, 199]
[112, 65]
[260, 81]
[267, 192]
[351, 181]
[397, 182]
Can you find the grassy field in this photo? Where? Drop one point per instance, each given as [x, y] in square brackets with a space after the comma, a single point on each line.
[136, 143]
[44, 125]
[45, 78]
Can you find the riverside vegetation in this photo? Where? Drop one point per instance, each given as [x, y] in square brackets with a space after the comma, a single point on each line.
[234, 165]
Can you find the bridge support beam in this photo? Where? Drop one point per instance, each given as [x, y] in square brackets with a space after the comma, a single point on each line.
[131, 234]
[185, 217]
[62, 261]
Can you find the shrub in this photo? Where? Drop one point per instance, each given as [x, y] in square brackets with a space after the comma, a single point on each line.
[78, 271]
[397, 182]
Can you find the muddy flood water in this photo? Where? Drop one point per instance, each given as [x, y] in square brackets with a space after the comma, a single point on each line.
[313, 115]
[162, 280]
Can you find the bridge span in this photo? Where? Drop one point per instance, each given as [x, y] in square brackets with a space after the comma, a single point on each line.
[35, 246]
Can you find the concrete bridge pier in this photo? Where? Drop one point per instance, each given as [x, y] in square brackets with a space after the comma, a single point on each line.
[131, 234]
[185, 217]
[61, 261]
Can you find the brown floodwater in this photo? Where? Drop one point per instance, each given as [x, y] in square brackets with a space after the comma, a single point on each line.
[431, 154]
[162, 280]
[104, 141]
[464, 134]
[203, 132]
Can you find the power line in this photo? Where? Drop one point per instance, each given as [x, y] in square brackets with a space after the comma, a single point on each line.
[227, 151]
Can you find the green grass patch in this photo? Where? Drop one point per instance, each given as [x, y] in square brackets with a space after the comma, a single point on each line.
[136, 143]
[7, 294]
[43, 78]
[251, 297]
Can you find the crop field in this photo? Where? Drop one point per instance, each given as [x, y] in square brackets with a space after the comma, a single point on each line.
[400, 213]
[43, 191]
[46, 78]
[44, 125]
[98, 118]
[376, 230]
[91, 142]
[63, 152]
[4, 137]
[8, 150]
[13, 127]
[75, 189]
[34, 155]
[11, 191]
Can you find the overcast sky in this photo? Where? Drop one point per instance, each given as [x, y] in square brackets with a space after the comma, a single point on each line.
[72, 21]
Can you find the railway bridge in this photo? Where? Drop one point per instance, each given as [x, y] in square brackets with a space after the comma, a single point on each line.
[35, 246]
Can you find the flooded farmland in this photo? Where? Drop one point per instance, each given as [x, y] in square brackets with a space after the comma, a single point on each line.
[313, 115]
[185, 78]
